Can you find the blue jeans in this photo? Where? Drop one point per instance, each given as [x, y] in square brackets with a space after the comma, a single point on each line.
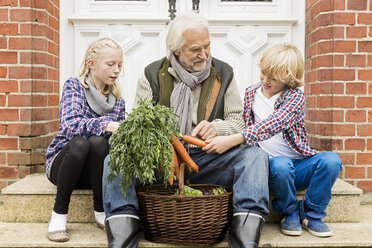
[317, 174]
[243, 168]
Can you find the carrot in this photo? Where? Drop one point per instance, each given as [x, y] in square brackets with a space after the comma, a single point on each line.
[183, 153]
[193, 140]
[174, 167]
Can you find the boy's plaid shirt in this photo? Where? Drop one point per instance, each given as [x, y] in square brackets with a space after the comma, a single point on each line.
[76, 118]
[288, 117]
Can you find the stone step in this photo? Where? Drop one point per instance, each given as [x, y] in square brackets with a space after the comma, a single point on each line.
[87, 235]
[31, 199]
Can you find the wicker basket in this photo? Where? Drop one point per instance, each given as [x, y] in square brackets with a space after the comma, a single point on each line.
[189, 220]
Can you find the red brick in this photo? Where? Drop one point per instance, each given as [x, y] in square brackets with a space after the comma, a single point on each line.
[9, 114]
[344, 46]
[356, 88]
[369, 144]
[3, 15]
[343, 101]
[369, 115]
[343, 74]
[310, 76]
[365, 46]
[34, 142]
[369, 172]
[19, 101]
[19, 129]
[53, 100]
[7, 86]
[357, 5]
[364, 158]
[322, 61]
[324, 47]
[39, 44]
[36, 86]
[8, 57]
[330, 88]
[11, 3]
[2, 100]
[364, 129]
[366, 186]
[364, 102]
[369, 58]
[8, 143]
[355, 172]
[39, 72]
[356, 116]
[53, 74]
[356, 32]
[53, 23]
[365, 18]
[19, 72]
[20, 43]
[8, 172]
[338, 60]
[365, 74]
[53, 48]
[20, 15]
[3, 72]
[25, 3]
[339, 4]
[356, 60]
[24, 171]
[343, 130]
[3, 129]
[3, 43]
[19, 158]
[8, 29]
[38, 158]
[40, 16]
[355, 144]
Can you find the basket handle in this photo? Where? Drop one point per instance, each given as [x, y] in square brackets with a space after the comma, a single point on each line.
[181, 182]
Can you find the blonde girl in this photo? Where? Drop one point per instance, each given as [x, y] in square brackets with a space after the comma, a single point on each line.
[91, 108]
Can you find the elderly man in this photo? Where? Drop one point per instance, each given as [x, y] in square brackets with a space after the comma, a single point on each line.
[205, 96]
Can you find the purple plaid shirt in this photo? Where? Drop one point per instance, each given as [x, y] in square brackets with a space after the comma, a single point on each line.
[288, 117]
[76, 118]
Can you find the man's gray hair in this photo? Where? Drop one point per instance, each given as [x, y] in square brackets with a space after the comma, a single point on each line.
[179, 25]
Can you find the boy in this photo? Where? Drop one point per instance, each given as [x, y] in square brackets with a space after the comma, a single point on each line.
[274, 113]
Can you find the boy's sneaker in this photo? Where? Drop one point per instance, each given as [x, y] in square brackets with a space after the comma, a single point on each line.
[290, 224]
[311, 221]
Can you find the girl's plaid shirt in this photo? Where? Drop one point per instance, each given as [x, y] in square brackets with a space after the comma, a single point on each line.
[288, 117]
[76, 118]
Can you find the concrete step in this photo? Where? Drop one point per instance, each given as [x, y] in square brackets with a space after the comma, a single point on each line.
[31, 199]
[87, 235]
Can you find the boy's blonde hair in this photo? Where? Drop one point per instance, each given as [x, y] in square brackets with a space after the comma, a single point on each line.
[94, 52]
[284, 63]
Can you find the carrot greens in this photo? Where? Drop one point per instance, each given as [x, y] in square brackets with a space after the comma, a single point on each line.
[141, 146]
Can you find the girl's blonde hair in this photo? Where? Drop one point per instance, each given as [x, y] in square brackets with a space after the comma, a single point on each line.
[94, 52]
[284, 63]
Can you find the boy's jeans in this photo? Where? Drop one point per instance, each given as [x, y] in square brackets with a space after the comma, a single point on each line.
[317, 174]
[244, 168]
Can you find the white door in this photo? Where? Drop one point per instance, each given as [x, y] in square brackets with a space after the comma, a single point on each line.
[240, 32]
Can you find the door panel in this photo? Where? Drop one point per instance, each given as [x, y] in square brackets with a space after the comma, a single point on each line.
[240, 32]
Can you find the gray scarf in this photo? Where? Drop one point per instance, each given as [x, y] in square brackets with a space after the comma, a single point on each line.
[180, 98]
[96, 101]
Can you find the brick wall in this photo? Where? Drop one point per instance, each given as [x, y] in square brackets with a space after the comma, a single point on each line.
[29, 68]
[339, 83]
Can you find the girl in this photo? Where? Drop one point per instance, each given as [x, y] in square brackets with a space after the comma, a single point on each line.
[90, 110]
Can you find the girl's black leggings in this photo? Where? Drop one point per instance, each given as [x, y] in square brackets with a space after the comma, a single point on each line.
[79, 165]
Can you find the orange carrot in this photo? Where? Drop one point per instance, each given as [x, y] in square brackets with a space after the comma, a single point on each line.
[183, 153]
[193, 140]
[174, 167]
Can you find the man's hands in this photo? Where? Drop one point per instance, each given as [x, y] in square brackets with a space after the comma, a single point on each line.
[204, 130]
[216, 144]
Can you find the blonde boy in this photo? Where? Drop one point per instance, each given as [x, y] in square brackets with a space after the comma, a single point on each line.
[274, 112]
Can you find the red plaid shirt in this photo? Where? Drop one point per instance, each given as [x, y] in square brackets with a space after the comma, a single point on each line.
[288, 117]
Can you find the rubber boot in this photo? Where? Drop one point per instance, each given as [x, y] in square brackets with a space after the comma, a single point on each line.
[123, 232]
[245, 231]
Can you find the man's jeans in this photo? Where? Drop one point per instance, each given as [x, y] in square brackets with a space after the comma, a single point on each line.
[317, 174]
[243, 168]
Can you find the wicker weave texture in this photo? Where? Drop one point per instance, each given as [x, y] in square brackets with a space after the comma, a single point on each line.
[190, 220]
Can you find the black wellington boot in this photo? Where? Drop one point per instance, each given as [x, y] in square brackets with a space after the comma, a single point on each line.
[123, 232]
[245, 231]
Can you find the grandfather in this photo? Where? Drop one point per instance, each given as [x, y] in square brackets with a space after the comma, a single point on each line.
[205, 96]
